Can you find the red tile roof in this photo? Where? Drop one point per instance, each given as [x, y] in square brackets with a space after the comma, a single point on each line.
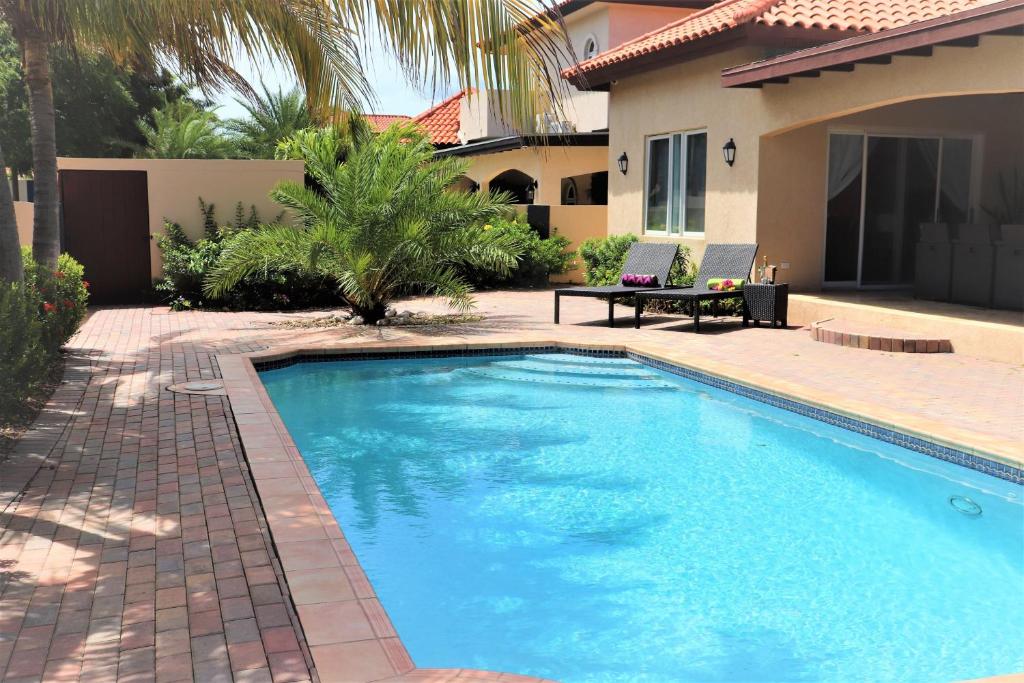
[441, 122]
[380, 122]
[844, 15]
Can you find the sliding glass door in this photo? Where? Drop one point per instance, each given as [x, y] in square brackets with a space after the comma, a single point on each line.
[880, 190]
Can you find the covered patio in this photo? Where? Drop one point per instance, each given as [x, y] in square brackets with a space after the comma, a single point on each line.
[894, 161]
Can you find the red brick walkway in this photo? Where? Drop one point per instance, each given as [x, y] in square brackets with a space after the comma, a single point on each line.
[133, 547]
[137, 551]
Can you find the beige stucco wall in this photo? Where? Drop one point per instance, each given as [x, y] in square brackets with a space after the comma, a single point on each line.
[548, 166]
[175, 186]
[23, 212]
[577, 224]
[791, 167]
[610, 25]
[626, 22]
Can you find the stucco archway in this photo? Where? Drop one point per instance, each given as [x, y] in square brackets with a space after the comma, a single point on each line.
[521, 186]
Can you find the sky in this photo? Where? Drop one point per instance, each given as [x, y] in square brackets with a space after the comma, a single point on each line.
[394, 94]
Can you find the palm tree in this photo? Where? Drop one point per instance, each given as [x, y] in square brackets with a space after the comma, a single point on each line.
[474, 42]
[10, 247]
[383, 223]
[271, 118]
[180, 130]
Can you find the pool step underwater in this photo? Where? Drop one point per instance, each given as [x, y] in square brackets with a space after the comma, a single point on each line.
[588, 369]
[568, 377]
[562, 360]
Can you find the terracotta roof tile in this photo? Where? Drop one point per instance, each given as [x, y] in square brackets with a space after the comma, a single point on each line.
[380, 122]
[441, 122]
[844, 15]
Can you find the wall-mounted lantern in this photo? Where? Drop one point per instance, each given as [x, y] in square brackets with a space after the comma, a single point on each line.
[729, 152]
[531, 191]
[623, 163]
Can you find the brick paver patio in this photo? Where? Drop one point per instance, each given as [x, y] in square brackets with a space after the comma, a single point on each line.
[134, 546]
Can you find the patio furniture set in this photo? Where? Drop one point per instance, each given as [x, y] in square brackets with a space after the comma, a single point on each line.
[722, 276]
[977, 265]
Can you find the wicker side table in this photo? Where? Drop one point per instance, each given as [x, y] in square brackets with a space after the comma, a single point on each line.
[768, 303]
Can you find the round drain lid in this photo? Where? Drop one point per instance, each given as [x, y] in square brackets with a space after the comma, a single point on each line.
[206, 388]
[965, 506]
[202, 386]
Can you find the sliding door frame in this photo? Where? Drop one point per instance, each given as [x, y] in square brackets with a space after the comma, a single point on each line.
[974, 186]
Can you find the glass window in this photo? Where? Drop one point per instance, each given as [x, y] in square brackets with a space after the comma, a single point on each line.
[675, 183]
[696, 176]
[955, 185]
[657, 184]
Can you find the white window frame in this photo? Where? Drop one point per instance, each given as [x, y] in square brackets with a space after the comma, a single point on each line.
[591, 38]
[683, 151]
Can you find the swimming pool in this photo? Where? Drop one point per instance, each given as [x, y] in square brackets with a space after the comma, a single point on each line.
[594, 519]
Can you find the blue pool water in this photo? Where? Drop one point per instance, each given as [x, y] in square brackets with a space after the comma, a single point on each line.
[592, 519]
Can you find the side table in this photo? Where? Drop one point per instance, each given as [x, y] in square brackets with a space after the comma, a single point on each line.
[768, 303]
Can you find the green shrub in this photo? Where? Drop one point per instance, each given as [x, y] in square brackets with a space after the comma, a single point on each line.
[539, 258]
[23, 359]
[63, 296]
[604, 257]
[186, 265]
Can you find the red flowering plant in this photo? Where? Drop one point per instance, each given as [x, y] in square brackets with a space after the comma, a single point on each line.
[63, 297]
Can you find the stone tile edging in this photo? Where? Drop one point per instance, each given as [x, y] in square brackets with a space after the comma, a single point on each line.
[350, 636]
[823, 331]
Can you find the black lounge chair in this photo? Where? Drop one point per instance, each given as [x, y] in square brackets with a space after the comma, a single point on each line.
[732, 261]
[643, 258]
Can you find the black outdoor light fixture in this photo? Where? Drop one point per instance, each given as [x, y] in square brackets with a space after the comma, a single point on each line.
[531, 191]
[623, 163]
[729, 152]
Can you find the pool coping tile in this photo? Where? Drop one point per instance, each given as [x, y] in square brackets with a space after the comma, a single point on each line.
[369, 647]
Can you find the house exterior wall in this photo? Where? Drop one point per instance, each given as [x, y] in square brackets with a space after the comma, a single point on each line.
[548, 166]
[175, 186]
[23, 216]
[774, 192]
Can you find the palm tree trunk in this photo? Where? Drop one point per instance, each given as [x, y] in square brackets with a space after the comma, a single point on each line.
[45, 226]
[10, 248]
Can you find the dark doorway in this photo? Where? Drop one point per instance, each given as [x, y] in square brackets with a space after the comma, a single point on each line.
[106, 227]
[521, 186]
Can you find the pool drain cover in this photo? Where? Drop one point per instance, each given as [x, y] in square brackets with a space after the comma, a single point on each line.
[203, 387]
[965, 505]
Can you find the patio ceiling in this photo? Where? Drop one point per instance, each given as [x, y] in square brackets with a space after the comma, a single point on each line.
[962, 29]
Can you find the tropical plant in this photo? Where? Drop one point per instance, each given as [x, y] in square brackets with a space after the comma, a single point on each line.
[37, 317]
[386, 222]
[482, 44]
[23, 360]
[186, 263]
[539, 259]
[63, 297]
[97, 102]
[271, 118]
[181, 130]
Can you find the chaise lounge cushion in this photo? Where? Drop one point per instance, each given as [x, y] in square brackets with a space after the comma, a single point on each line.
[725, 284]
[631, 279]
